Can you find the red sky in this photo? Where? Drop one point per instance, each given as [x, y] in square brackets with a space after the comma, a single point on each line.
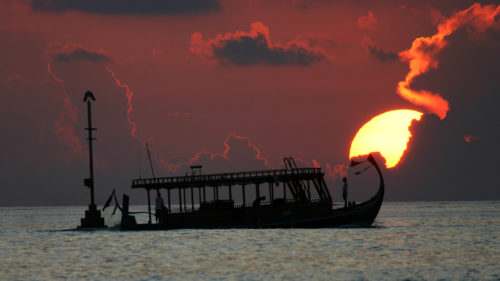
[238, 85]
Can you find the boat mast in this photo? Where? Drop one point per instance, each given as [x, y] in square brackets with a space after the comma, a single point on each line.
[157, 191]
[93, 217]
[150, 162]
[151, 165]
[88, 97]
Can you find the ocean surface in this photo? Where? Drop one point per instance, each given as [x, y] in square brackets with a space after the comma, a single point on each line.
[409, 241]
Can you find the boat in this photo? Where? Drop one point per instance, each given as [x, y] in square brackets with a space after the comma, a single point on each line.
[296, 198]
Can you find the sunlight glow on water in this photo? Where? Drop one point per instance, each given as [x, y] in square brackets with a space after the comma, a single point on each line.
[412, 241]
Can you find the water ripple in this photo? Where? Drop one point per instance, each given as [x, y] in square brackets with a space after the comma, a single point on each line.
[412, 241]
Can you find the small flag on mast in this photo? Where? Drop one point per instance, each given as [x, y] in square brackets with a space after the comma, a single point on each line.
[108, 202]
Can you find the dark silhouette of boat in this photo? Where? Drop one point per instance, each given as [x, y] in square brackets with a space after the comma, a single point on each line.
[305, 202]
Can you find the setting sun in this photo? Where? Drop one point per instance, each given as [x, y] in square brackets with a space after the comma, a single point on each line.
[386, 133]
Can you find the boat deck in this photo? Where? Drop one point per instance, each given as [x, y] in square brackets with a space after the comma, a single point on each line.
[293, 184]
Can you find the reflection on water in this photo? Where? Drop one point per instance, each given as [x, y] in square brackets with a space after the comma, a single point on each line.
[411, 241]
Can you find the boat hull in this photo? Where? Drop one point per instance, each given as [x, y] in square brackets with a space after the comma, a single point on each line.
[305, 215]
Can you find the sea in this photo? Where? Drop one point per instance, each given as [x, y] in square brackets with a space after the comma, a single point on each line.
[409, 241]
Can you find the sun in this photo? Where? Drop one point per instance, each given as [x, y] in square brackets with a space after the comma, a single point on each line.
[387, 133]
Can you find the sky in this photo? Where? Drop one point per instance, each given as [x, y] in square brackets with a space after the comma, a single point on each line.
[238, 85]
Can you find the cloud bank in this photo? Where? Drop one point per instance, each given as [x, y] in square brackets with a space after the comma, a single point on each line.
[240, 153]
[72, 51]
[133, 7]
[64, 126]
[255, 47]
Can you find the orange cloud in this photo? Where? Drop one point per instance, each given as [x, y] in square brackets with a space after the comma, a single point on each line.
[64, 124]
[334, 172]
[337, 171]
[421, 57]
[367, 22]
[129, 94]
[470, 138]
[225, 155]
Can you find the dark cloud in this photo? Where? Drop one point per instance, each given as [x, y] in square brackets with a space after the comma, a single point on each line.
[441, 164]
[72, 51]
[82, 55]
[135, 7]
[254, 47]
[381, 55]
[248, 51]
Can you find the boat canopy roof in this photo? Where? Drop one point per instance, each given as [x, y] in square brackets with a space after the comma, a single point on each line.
[229, 179]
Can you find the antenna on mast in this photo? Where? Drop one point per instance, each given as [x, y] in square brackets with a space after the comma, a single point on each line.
[139, 163]
[150, 162]
[151, 165]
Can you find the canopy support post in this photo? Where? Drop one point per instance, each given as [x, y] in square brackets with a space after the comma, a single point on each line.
[192, 199]
[169, 205]
[271, 195]
[180, 200]
[284, 191]
[199, 196]
[149, 207]
[244, 196]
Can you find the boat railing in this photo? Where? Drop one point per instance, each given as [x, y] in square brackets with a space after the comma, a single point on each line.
[241, 205]
[225, 176]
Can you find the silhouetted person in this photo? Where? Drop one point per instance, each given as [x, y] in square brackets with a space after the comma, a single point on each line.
[159, 207]
[344, 191]
[164, 215]
[302, 196]
[256, 202]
